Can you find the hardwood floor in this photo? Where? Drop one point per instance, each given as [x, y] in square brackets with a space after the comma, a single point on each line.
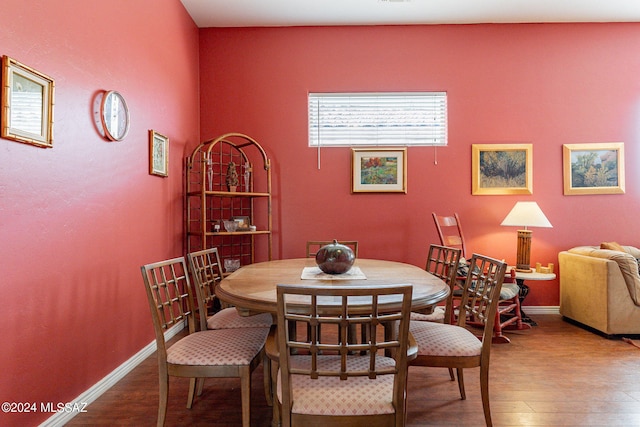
[556, 374]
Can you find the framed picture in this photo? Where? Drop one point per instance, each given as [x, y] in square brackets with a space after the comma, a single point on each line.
[27, 104]
[593, 168]
[502, 169]
[243, 222]
[158, 154]
[380, 170]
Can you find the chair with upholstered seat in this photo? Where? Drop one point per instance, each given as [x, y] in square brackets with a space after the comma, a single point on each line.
[508, 314]
[450, 232]
[220, 353]
[455, 346]
[328, 382]
[442, 262]
[207, 272]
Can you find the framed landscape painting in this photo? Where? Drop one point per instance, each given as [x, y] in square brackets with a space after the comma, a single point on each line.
[380, 170]
[593, 168]
[502, 169]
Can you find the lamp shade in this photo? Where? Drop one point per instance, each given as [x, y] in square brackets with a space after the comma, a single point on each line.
[526, 214]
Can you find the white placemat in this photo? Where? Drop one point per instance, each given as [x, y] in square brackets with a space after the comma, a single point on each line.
[314, 273]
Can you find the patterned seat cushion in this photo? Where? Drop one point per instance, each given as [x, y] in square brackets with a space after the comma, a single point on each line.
[331, 396]
[218, 347]
[436, 316]
[509, 290]
[437, 339]
[229, 318]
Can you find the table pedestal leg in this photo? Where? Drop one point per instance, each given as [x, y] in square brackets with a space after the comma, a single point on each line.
[524, 291]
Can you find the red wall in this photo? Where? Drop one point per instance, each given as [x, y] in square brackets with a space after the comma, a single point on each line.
[77, 221]
[543, 84]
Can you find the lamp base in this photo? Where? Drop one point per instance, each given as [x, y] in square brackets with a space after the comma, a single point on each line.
[523, 255]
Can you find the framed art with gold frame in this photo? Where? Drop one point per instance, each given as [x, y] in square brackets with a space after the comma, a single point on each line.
[378, 170]
[158, 154]
[27, 104]
[593, 168]
[501, 169]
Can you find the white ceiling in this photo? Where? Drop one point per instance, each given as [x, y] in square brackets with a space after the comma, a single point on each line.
[268, 13]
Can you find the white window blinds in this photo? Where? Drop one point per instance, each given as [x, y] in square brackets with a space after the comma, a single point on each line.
[355, 119]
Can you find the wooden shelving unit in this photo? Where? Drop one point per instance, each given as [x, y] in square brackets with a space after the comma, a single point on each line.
[209, 201]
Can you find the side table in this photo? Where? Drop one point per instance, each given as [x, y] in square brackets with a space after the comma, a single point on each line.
[524, 289]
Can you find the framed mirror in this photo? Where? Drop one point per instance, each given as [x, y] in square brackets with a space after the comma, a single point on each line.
[27, 104]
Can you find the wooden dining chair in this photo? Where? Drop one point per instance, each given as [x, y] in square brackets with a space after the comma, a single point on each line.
[313, 246]
[206, 272]
[455, 346]
[450, 232]
[220, 353]
[442, 262]
[327, 382]
[508, 314]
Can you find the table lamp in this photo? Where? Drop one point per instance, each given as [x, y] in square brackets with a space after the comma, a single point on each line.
[525, 214]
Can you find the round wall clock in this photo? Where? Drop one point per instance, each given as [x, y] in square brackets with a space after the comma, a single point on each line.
[111, 115]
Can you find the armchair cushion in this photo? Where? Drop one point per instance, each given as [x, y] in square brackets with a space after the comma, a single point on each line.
[612, 246]
[509, 290]
[627, 262]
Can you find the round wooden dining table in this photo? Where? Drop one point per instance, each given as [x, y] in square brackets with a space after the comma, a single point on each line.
[252, 288]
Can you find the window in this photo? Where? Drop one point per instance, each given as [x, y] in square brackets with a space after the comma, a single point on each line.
[356, 119]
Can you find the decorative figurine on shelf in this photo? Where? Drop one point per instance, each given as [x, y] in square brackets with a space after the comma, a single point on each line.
[247, 176]
[232, 177]
[209, 161]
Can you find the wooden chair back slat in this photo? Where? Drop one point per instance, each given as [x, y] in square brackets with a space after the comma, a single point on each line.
[168, 289]
[450, 231]
[339, 309]
[481, 293]
[442, 262]
[207, 273]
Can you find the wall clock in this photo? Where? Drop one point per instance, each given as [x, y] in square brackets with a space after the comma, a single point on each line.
[111, 115]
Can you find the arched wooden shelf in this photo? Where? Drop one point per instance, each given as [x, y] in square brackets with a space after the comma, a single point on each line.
[209, 201]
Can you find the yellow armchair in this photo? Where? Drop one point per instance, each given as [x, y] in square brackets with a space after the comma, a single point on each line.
[600, 288]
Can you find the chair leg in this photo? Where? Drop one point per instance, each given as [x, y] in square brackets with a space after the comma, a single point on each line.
[463, 395]
[199, 386]
[498, 337]
[245, 391]
[275, 420]
[164, 395]
[484, 392]
[192, 391]
[453, 378]
[266, 375]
